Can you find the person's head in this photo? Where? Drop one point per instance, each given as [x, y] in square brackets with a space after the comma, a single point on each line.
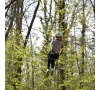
[58, 35]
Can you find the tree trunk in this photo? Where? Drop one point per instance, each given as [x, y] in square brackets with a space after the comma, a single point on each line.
[81, 73]
[18, 21]
[63, 26]
[13, 11]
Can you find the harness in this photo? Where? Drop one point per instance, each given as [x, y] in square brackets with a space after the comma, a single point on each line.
[54, 56]
[53, 52]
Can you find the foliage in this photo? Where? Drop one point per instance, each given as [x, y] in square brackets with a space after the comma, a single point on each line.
[26, 64]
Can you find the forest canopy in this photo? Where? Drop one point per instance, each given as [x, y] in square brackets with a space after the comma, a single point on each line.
[28, 22]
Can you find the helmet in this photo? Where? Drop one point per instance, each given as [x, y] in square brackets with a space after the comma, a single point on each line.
[58, 34]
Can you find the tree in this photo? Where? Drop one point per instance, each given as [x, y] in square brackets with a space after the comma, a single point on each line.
[26, 62]
[15, 28]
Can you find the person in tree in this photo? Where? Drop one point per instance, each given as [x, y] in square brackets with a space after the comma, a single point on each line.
[56, 45]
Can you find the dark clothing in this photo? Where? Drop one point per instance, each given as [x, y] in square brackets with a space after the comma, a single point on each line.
[51, 60]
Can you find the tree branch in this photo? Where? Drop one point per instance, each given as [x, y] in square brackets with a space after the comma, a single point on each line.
[12, 1]
[30, 27]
